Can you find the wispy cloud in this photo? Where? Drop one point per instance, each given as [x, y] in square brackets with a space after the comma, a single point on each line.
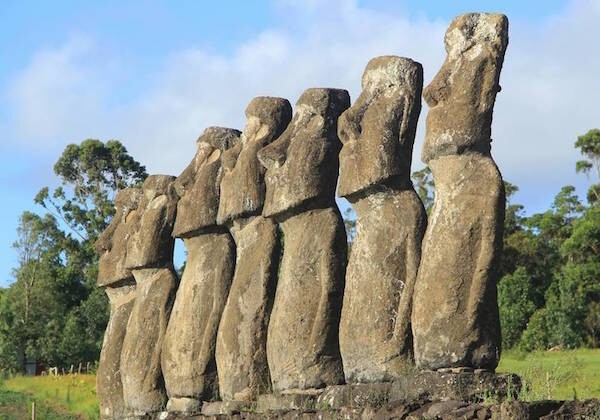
[58, 96]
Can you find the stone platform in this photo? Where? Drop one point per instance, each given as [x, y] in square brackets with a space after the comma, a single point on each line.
[358, 400]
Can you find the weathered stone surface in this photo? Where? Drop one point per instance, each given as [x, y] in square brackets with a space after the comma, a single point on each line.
[302, 166]
[188, 357]
[241, 351]
[241, 340]
[149, 255]
[375, 328]
[297, 400]
[242, 185]
[455, 311]
[305, 407]
[198, 186]
[450, 410]
[455, 314]
[355, 395]
[109, 388]
[143, 387]
[184, 405]
[151, 244]
[119, 285]
[584, 410]
[454, 386]
[378, 131]
[378, 134]
[519, 410]
[462, 94]
[226, 408]
[422, 386]
[302, 341]
[111, 245]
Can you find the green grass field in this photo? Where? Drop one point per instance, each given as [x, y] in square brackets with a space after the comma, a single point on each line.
[17, 406]
[558, 375]
[562, 375]
[74, 394]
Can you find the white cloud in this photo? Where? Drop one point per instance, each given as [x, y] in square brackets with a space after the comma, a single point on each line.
[58, 96]
[550, 86]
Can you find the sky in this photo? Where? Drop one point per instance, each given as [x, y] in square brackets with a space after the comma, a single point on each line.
[154, 74]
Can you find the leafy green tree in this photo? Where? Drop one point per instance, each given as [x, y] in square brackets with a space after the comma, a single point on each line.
[592, 323]
[539, 245]
[535, 336]
[584, 243]
[91, 173]
[568, 303]
[39, 293]
[423, 181]
[589, 145]
[571, 300]
[516, 305]
[56, 311]
[573, 303]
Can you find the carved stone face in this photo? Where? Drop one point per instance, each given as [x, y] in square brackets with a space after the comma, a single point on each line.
[112, 243]
[198, 186]
[378, 131]
[242, 183]
[151, 244]
[461, 96]
[302, 164]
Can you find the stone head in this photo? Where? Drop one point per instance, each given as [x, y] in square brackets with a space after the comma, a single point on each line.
[461, 96]
[302, 164]
[378, 131]
[151, 244]
[242, 183]
[111, 245]
[198, 186]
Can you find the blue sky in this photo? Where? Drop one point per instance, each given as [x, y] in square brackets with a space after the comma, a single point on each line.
[154, 74]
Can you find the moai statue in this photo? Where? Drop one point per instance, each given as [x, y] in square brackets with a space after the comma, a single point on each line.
[150, 257]
[241, 340]
[378, 133]
[302, 169]
[119, 285]
[455, 311]
[188, 357]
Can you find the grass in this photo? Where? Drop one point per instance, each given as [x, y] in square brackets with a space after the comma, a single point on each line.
[71, 393]
[17, 406]
[558, 375]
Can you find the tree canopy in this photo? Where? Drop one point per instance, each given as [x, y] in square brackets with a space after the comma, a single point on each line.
[53, 312]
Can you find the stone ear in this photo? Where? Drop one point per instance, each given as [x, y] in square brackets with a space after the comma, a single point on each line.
[275, 154]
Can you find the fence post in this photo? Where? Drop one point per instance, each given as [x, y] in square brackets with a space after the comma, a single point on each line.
[33, 410]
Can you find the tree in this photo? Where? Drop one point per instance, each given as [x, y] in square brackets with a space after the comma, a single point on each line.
[516, 305]
[92, 172]
[425, 187]
[350, 225]
[56, 312]
[535, 336]
[589, 146]
[568, 303]
[578, 292]
[573, 295]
